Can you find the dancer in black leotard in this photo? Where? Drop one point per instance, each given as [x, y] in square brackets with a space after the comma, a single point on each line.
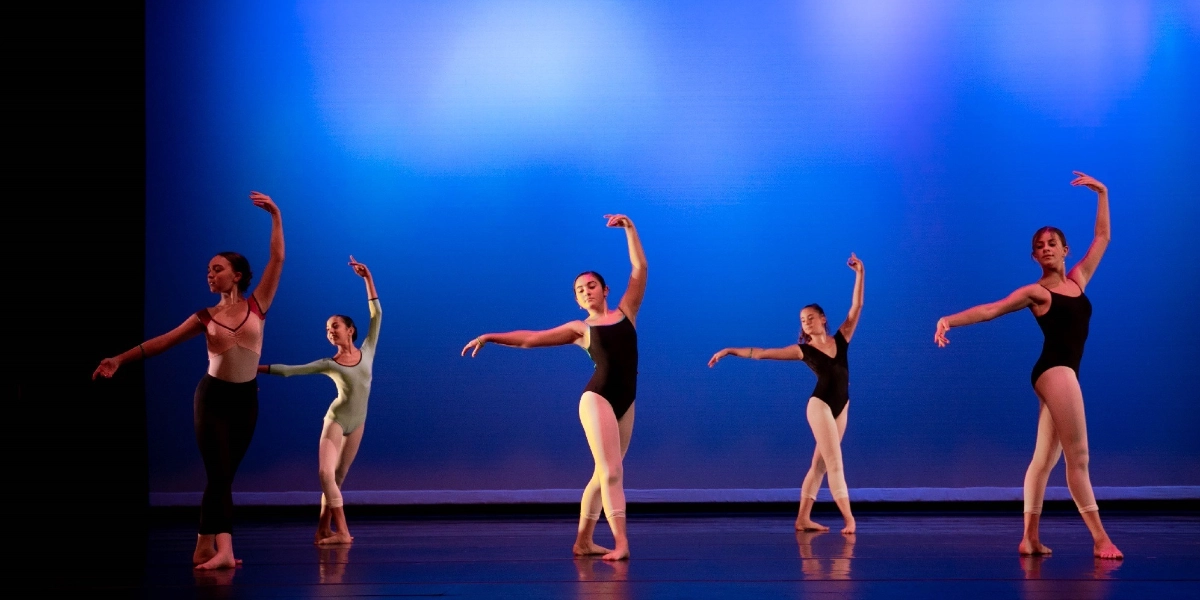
[606, 408]
[827, 356]
[226, 401]
[614, 350]
[1062, 312]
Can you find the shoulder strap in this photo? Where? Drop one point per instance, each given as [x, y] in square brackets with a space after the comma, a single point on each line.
[254, 308]
[204, 316]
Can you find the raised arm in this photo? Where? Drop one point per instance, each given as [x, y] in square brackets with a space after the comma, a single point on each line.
[1021, 298]
[185, 331]
[786, 353]
[631, 302]
[567, 333]
[372, 302]
[265, 292]
[1083, 270]
[856, 300]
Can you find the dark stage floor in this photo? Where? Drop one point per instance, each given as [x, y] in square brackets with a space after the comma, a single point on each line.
[693, 556]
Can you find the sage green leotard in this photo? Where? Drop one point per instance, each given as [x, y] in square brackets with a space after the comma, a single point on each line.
[349, 409]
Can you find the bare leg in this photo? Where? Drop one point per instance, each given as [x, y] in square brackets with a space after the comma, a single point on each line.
[812, 482]
[590, 504]
[330, 453]
[1060, 391]
[1046, 452]
[828, 432]
[604, 439]
[224, 558]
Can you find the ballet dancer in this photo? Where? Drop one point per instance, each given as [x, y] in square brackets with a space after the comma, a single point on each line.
[606, 408]
[1063, 312]
[829, 402]
[350, 370]
[226, 402]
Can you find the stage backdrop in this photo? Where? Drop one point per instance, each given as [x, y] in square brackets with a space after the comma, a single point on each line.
[467, 152]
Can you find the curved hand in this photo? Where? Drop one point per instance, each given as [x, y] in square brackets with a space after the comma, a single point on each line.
[621, 221]
[712, 362]
[474, 345]
[107, 368]
[359, 269]
[939, 337]
[854, 263]
[264, 202]
[1089, 182]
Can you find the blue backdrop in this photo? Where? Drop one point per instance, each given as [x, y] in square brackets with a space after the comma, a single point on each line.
[466, 151]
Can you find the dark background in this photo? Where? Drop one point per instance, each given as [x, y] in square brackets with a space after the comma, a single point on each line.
[76, 221]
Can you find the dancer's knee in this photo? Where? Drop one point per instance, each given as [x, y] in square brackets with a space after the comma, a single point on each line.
[612, 475]
[833, 468]
[818, 465]
[327, 475]
[1077, 457]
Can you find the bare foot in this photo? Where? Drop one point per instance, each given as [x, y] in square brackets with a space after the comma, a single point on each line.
[1106, 549]
[322, 534]
[206, 548]
[851, 527]
[809, 525]
[203, 555]
[1030, 547]
[337, 538]
[222, 560]
[588, 549]
[620, 553]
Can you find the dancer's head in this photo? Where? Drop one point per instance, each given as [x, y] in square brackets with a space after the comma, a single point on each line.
[1049, 247]
[340, 330]
[590, 290]
[812, 320]
[229, 270]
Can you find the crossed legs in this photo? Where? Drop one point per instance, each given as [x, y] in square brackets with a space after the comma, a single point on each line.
[1062, 431]
[337, 452]
[827, 459]
[608, 439]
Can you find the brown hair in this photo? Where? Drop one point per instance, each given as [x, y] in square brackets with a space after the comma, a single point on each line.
[240, 265]
[805, 338]
[1062, 237]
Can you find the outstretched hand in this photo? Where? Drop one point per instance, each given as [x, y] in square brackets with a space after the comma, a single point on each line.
[474, 346]
[1089, 182]
[359, 269]
[854, 263]
[940, 336]
[712, 362]
[621, 221]
[106, 369]
[264, 202]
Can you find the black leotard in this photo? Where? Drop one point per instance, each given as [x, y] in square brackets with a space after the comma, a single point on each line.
[1065, 327]
[833, 374]
[614, 350]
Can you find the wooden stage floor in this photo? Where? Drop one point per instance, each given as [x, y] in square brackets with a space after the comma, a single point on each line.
[910, 555]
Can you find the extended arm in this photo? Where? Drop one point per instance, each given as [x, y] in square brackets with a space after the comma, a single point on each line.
[856, 300]
[265, 292]
[312, 368]
[786, 353]
[372, 302]
[185, 331]
[1021, 298]
[567, 333]
[1082, 273]
[631, 302]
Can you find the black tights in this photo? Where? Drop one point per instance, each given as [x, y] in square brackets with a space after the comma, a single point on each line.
[224, 415]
